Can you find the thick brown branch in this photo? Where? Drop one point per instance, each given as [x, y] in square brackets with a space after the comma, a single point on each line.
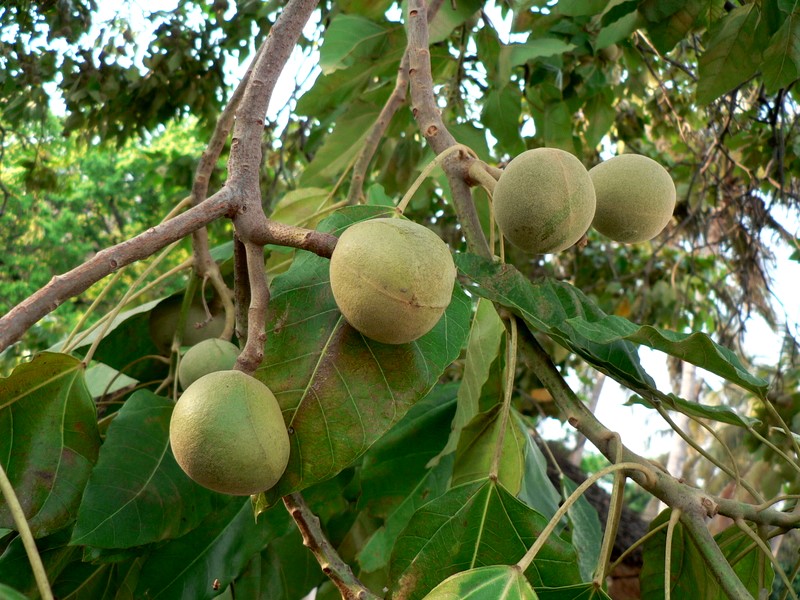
[432, 126]
[62, 287]
[315, 540]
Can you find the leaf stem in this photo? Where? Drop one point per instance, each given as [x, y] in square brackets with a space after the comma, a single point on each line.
[427, 171]
[612, 518]
[762, 545]
[674, 517]
[25, 533]
[526, 560]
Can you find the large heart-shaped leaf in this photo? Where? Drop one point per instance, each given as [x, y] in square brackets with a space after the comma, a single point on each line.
[474, 525]
[136, 476]
[339, 391]
[48, 439]
[581, 591]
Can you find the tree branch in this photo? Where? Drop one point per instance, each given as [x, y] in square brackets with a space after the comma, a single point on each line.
[62, 287]
[430, 122]
[315, 540]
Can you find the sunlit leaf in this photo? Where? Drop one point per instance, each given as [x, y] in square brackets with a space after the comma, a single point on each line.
[500, 582]
[301, 207]
[338, 390]
[136, 476]
[48, 439]
[483, 346]
[519, 54]
[474, 525]
[501, 114]
[581, 591]
[349, 38]
[450, 16]
[477, 446]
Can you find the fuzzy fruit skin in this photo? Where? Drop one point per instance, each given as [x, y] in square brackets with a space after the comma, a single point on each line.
[227, 433]
[206, 357]
[544, 201]
[164, 321]
[635, 198]
[392, 279]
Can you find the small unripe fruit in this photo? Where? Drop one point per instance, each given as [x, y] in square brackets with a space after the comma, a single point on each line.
[635, 198]
[544, 201]
[392, 279]
[206, 357]
[227, 433]
[164, 321]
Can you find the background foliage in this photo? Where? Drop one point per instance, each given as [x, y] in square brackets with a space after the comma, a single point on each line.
[103, 118]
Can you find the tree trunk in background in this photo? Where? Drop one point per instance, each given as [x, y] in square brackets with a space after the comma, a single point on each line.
[688, 389]
[576, 455]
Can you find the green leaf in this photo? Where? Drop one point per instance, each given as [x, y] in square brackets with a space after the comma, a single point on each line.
[500, 582]
[450, 16]
[483, 347]
[104, 581]
[782, 57]
[338, 390]
[545, 305]
[587, 534]
[501, 114]
[696, 348]
[9, 593]
[376, 553]
[658, 10]
[581, 8]
[341, 146]
[136, 476]
[605, 341]
[218, 549]
[284, 570]
[301, 207]
[619, 30]
[732, 53]
[665, 33]
[600, 114]
[394, 465]
[474, 525]
[350, 38]
[554, 125]
[477, 445]
[690, 577]
[537, 489]
[580, 591]
[519, 54]
[48, 439]
[56, 555]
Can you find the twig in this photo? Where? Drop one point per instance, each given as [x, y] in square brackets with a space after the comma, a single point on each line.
[315, 540]
[511, 367]
[396, 99]
[674, 517]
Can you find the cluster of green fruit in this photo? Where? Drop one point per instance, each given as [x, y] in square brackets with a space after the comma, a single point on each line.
[392, 280]
[546, 200]
[227, 432]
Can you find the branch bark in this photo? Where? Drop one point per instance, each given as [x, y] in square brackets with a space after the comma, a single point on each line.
[430, 122]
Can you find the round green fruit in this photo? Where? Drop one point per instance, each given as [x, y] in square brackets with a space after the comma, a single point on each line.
[544, 201]
[635, 198]
[227, 433]
[164, 321]
[392, 279]
[206, 357]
